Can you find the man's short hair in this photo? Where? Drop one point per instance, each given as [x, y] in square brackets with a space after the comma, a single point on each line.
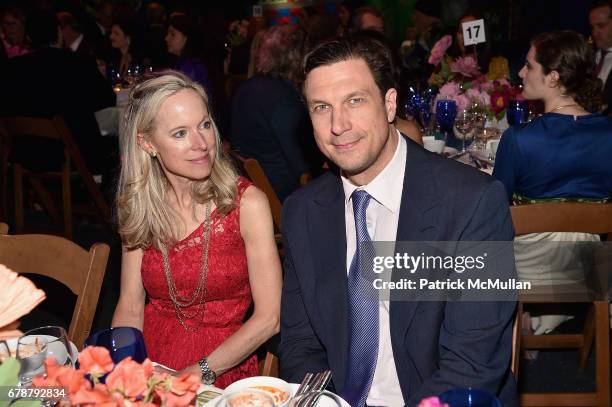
[66, 19]
[375, 53]
[356, 20]
[601, 4]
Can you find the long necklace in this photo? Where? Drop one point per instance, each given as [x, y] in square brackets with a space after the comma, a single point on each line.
[554, 109]
[200, 292]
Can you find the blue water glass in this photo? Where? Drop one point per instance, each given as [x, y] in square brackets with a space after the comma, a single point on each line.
[412, 104]
[121, 342]
[446, 110]
[517, 112]
[469, 398]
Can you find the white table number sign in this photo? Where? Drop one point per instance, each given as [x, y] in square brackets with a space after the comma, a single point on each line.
[473, 32]
[257, 10]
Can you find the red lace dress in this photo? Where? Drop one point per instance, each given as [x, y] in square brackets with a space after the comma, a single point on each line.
[228, 296]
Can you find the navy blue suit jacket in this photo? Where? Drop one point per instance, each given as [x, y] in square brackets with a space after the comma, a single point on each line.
[437, 346]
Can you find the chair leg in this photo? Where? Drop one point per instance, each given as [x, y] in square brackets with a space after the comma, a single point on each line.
[18, 185]
[46, 199]
[602, 349]
[67, 202]
[588, 334]
[516, 340]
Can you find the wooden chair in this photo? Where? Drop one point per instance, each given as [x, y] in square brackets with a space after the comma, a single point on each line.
[569, 217]
[80, 270]
[253, 170]
[269, 366]
[55, 129]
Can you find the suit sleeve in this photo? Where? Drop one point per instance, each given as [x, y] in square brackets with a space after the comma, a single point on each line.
[300, 351]
[475, 343]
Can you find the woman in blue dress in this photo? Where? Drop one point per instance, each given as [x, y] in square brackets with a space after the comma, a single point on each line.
[563, 155]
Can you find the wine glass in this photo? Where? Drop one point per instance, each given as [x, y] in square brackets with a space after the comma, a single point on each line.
[446, 110]
[5, 351]
[58, 344]
[31, 353]
[517, 112]
[314, 398]
[469, 398]
[463, 127]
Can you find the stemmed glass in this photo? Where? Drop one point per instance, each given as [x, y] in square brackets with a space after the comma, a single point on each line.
[31, 353]
[58, 344]
[446, 110]
[5, 351]
[464, 127]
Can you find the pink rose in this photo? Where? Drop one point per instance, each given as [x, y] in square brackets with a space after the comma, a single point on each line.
[432, 402]
[439, 49]
[462, 102]
[482, 98]
[466, 66]
[487, 86]
[449, 91]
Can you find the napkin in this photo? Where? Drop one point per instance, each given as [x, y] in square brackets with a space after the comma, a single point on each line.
[19, 296]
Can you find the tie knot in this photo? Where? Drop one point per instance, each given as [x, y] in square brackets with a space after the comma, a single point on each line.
[361, 200]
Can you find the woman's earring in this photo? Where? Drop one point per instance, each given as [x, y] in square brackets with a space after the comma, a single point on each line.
[153, 154]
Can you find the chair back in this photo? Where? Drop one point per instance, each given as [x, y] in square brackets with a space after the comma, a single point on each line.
[256, 174]
[80, 270]
[593, 218]
[55, 128]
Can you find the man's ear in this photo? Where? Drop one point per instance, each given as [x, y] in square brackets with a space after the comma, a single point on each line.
[391, 104]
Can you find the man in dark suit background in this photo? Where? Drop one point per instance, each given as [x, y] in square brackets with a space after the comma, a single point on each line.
[600, 19]
[388, 189]
[54, 81]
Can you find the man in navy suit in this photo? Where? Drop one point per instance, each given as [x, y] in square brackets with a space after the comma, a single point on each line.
[384, 353]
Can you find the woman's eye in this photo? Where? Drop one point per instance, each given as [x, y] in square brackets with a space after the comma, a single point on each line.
[180, 134]
[206, 125]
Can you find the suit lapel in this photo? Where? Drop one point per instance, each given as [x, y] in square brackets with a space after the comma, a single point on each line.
[419, 210]
[327, 229]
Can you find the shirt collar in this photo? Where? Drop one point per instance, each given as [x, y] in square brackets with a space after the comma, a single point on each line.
[386, 187]
[75, 44]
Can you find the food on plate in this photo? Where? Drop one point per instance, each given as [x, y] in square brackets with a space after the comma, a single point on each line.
[277, 394]
[249, 399]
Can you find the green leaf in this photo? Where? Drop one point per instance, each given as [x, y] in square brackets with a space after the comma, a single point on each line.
[9, 372]
[26, 403]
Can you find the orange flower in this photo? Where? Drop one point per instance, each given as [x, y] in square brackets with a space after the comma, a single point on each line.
[61, 376]
[95, 360]
[99, 396]
[181, 392]
[130, 378]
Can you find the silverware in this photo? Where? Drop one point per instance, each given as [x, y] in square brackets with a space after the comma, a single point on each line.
[319, 384]
[305, 384]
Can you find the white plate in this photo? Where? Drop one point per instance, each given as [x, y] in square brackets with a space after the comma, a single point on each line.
[251, 382]
[293, 386]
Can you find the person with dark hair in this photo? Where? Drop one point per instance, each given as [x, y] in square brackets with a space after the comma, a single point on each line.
[53, 81]
[73, 35]
[480, 52]
[268, 119]
[365, 18]
[14, 38]
[388, 188]
[183, 42]
[562, 155]
[600, 18]
[121, 38]
[565, 153]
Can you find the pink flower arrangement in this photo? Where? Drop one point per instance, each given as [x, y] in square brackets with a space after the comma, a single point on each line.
[465, 66]
[432, 402]
[439, 49]
[128, 384]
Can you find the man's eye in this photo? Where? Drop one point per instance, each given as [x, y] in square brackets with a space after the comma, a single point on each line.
[320, 108]
[355, 101]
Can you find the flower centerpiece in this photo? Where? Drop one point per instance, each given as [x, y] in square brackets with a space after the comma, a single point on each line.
[127, 384]
[460, 79]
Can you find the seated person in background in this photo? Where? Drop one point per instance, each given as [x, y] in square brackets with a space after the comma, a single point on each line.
[54, 81]
[183, 42]
[198, 239]
[562, 155]
[268, 120]
[121, 39]
[366, 18]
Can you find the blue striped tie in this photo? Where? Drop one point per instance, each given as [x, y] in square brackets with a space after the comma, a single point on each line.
[362, 311]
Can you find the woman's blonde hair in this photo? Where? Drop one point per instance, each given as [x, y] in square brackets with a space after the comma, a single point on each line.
[144, 216]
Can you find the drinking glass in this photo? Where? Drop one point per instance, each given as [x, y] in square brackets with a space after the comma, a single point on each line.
[446, 110]
[464, 127]
[469, 398]
[517, 112]
[58, 344]
[245, 398]
[31, 352]
[121, 342]
[5, 351]
[316, 398]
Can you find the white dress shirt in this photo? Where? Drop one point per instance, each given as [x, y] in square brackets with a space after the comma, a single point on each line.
[607, 65]
[75, 44]
[382, 217]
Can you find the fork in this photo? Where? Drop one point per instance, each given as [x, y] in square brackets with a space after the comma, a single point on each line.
[316, 385]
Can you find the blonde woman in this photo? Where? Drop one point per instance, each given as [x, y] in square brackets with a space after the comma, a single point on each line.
[198, 240]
